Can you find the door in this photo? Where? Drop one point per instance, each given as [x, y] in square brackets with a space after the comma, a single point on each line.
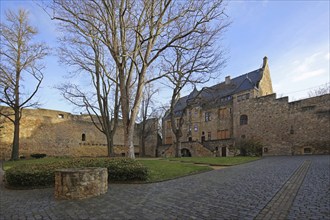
[224, 151]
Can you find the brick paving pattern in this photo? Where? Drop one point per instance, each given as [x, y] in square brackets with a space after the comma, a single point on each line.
[280, 205]
[238, 192]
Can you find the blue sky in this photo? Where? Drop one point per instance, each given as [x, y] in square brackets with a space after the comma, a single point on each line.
[294, 35]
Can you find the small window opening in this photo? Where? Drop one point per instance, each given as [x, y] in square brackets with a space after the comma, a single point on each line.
[307, 150]
[83, 137]
[60, 116]
[243, 120]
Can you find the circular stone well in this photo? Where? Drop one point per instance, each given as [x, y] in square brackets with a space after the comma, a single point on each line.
[80, 183]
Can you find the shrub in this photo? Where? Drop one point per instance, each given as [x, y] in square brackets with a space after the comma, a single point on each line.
[37, 156]
[43, 175]
[249, 148]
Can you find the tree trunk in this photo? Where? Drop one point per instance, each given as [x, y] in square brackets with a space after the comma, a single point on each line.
[131, 146]
[15, 149]
[130, 141]
[110, 145]
[143, 148]
[177, 146]
[143, 139]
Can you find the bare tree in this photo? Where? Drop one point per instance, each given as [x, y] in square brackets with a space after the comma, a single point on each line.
[20, 58]
[85, 53]
[194, 61]
[136, 34]
[321, 90]
[148, 111]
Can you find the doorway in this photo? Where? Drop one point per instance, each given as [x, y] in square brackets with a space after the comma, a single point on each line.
[185, 152]
[224, 151]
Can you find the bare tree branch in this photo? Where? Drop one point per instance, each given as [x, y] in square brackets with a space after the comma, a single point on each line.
[20, 57]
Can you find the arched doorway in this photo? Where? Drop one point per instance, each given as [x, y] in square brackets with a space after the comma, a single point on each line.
[185, 152]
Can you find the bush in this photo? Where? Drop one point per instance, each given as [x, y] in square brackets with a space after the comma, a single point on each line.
[249, 148]
[37, 156]
[43, 175]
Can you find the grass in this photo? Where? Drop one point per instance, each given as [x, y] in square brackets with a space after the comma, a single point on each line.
[8, 164]
[216, 161]
[159, 169]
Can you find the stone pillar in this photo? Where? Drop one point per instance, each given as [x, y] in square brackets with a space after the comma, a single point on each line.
[80, 183]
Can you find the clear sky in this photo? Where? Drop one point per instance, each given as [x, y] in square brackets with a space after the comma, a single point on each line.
[294, 35]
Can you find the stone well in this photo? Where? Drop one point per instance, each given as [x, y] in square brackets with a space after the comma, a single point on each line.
[80, 183]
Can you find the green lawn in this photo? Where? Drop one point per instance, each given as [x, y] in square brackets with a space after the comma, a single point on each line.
[216, 161]
[160, 170]
[46, 160]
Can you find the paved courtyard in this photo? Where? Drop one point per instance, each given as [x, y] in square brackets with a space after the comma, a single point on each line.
[271, 188]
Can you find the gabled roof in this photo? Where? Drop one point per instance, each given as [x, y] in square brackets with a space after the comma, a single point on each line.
[219, 94]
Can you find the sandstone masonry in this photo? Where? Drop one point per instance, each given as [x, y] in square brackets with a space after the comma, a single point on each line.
[58, 133]
[218, 117]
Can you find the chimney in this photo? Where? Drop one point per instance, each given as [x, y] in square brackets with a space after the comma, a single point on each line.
[227, 80]
[265, 63]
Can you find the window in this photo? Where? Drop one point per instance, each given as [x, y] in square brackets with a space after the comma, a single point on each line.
[243, 97]
[60, 116]
[177, 122]
[207, 116]
[209, 136]
[195, 127]
[223, 134]
[196, 111]
[83, 137]
[190, 139]
[243, 120]
[307, 150]
[222, 113]
[168, 125]
[308, 108]
[227, 98]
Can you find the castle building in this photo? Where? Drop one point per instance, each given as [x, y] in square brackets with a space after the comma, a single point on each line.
[58, 133]
[216, 118]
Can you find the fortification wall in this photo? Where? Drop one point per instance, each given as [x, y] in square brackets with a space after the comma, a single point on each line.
[310, 125]
[58, 133]
[285, 128]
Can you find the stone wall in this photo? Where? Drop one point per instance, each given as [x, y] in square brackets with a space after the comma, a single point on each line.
[195, 148]
[57, 133]
[285, 128]
[310, 125]
[80, 183]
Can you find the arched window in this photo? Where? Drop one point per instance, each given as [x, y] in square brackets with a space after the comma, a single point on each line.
[83, 137]
[243, 120]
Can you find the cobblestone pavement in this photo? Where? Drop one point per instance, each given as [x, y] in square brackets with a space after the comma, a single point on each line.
[238, 192]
